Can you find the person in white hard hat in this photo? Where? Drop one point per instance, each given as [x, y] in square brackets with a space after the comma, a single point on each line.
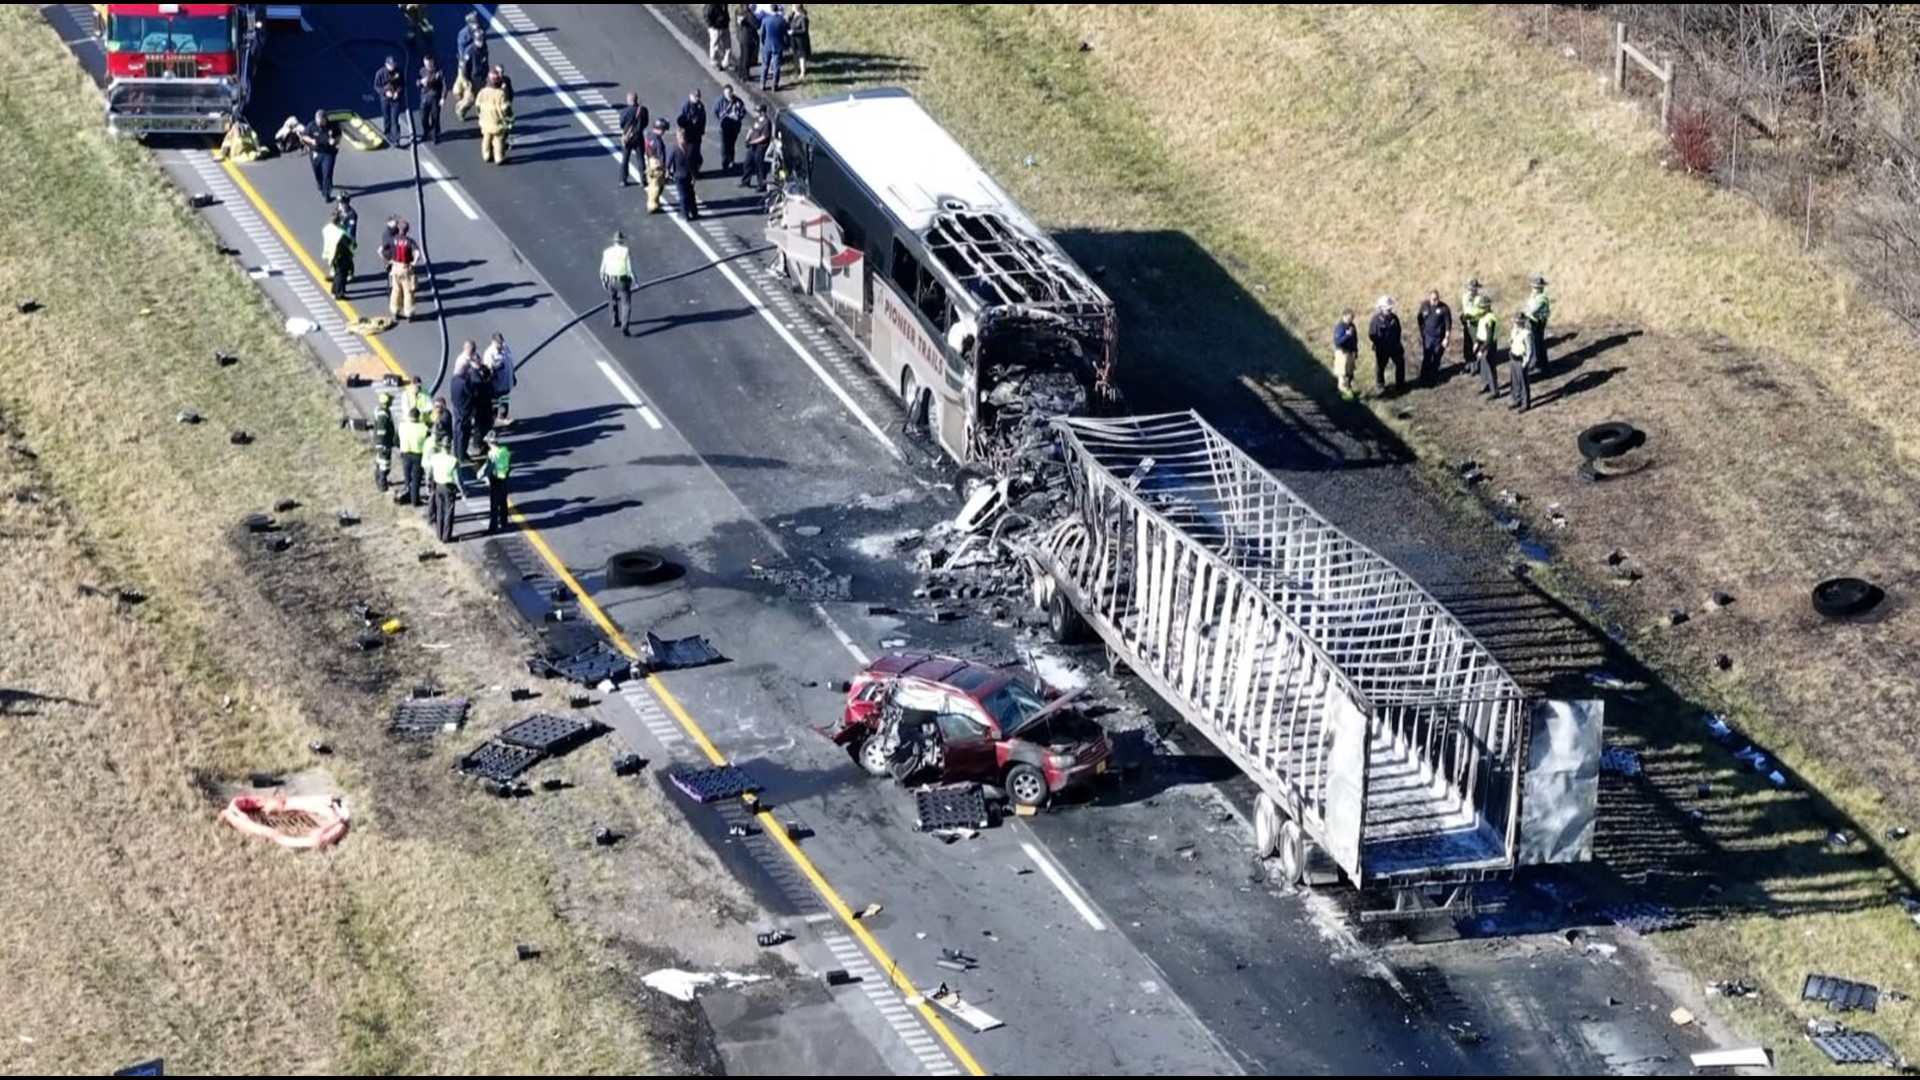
[1383, 333]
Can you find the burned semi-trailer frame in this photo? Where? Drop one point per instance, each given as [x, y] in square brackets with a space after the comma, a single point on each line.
[1383, 736]
[985, 327]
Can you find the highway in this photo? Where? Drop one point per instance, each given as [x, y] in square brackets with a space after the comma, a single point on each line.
[734, 431]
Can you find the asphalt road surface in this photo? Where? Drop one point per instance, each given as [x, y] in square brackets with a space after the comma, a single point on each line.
[734, 432]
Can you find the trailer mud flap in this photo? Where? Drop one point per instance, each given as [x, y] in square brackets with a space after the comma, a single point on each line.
[1562, 796]
[1342, 814]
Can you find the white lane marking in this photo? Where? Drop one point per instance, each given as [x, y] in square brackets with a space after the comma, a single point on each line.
[752, 298]
[1066, 887]
[846, 640]
[627, 391]
[446, 184]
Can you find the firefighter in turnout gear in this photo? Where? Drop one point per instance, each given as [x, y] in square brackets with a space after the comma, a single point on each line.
[1539, 309]
[443, 471]
[496, 119]
[616, 276]
[404, 259]
[386, 436]
[499, 466]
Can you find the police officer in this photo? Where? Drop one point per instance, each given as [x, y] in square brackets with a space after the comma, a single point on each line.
[616, 276]
[1389, 346]
[1519, 349]
[323, 142]
[1486, 345]
[1539, 309]
[731, 111]
[1471, 308]
[385, 437]
[1436, 328]
[499, 465]
[433, 85]
[413, 436]
[390, 87]
[633, 136]
[443, 470]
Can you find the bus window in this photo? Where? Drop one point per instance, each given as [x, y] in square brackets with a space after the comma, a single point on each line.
[932, 299]
[905, 270]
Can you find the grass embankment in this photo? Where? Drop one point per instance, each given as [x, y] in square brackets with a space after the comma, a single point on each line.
[134, 924]
[1239, 175]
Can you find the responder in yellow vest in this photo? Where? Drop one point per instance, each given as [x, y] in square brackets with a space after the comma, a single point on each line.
[1519, 349]
[1486, 333]
[443, 470]
[1539, 310]
[336, 248]
[616, 276]
[1472, 304]
[499, 466]
[413, 447]
[496, 117]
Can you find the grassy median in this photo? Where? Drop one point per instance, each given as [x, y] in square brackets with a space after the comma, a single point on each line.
[155, 656]
[1236, 176]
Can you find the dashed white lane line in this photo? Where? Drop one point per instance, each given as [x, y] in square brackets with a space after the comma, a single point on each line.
[886, 1000]
[626, 390]
[1067, 888]
[581, 114]
[445, 184]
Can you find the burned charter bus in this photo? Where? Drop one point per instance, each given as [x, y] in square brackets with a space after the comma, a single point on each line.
[976, 317]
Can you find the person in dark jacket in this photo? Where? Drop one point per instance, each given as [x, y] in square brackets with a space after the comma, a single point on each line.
[692, 121]
[433, 87]
[470, 64]
[1436, 331]
[759, 138]
[322, 139]
[731, 112]
[391, 88]
[773, 47]
[719, 42]
[633, 136]
[746, 41]
[1346, 352]
[1389, 347]
[683, 168]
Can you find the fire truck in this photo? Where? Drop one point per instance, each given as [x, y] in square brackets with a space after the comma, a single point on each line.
[182, 69]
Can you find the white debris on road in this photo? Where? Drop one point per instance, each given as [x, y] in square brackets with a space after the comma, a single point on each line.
[1058, 672]
[683, 985]
[891, 501]
[885, 545]
[299, 327]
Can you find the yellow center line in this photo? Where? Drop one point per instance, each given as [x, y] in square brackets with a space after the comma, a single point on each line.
[768, 823]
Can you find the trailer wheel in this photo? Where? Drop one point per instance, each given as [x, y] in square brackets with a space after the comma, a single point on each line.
[1292, 853]
[1026, 785]
[871, 756]
[1267, 818]
[1066, 624]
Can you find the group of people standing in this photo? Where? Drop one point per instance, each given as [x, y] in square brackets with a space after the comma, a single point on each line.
[400, 254]
[435, 436]
[1479, 331]
[736, 33]
[680, 162]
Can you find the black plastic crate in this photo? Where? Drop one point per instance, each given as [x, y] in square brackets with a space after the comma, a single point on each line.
[1840, 995]
[550, 734]
[499, 762]
[426, 716]
[951, 806]
[663, 654]
[1854, 1048]
[590, 666]
[714, 784]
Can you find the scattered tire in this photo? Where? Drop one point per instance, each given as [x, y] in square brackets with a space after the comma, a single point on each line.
[1026, 785]
[630, 568]
[1608, 440]
[871, 756]
[1845, 597]
[1267, 819]
[1291, 856]
[1067, 626]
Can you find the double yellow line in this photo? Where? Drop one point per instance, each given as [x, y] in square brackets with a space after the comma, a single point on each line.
[768, 823]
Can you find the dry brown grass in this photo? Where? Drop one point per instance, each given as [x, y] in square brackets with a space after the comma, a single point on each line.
[1241, 174]
[135, 925]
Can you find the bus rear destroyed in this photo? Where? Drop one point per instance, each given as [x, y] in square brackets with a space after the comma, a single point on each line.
[985, 327]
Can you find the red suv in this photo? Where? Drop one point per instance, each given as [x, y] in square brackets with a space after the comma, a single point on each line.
[913, 713]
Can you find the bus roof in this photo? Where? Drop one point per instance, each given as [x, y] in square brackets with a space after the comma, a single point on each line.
[897, 149]
[192, 11]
